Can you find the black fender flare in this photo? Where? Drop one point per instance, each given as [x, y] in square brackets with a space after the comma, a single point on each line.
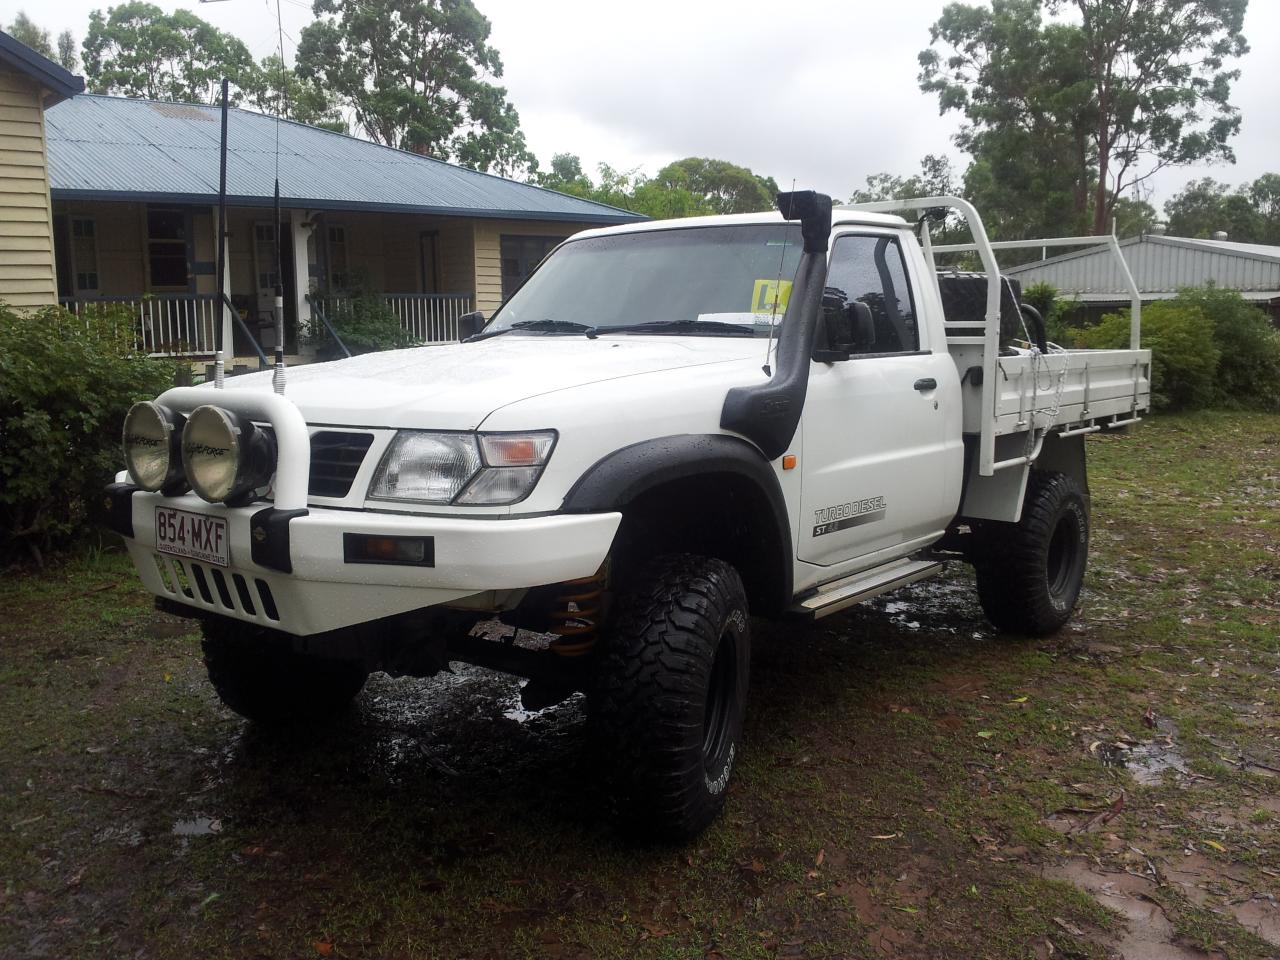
[617, 479]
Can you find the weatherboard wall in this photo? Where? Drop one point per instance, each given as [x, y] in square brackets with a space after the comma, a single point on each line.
[488, 247]
[27, 276]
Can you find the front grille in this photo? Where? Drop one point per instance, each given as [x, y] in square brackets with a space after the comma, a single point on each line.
[335, 461]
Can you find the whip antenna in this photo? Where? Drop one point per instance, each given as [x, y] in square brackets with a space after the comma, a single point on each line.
[278, 376]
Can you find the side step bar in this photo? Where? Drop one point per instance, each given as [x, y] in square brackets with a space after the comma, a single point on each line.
[840, 594]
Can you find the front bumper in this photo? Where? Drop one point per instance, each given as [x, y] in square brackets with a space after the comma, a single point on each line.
[325, 592]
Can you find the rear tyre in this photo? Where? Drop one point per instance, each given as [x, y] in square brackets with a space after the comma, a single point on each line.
[667, 705]
[1030, 573]
[258, 675]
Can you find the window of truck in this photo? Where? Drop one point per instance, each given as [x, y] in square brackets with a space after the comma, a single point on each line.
[717, 275]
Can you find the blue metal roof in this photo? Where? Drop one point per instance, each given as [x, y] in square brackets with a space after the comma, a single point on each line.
[113, 148]
[60, 82]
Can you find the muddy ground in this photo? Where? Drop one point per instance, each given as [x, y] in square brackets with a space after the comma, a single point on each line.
[914, 785]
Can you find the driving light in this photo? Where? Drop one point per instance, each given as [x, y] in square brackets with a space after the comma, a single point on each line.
[492, 469]
[225, 456]
[151, 449]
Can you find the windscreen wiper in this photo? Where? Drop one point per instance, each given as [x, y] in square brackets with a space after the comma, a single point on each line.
[540, 326]
[713, 328]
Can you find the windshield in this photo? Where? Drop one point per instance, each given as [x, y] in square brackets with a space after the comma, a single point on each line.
[696, 280]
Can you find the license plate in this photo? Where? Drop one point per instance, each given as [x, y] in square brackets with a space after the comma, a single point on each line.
[193, 535]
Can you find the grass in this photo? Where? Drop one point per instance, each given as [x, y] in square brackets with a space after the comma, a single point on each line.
[913, 783]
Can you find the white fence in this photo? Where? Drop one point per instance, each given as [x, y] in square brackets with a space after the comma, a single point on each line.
[430, 317]
[165, 325]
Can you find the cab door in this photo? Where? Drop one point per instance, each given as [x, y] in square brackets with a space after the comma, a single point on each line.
[876, 454]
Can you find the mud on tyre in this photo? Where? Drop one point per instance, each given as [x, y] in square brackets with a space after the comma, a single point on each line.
[666, 707]
[1030, 573]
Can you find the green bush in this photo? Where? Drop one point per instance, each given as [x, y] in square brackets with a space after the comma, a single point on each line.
[66, 383]
[1184, 357]
[364, 322]
[1044, 297]
[1248, 372]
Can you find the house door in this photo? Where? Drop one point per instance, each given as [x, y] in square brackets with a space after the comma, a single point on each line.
[266, 270]
[876, 453]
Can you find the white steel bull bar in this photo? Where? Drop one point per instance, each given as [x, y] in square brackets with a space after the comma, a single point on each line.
[293, 442]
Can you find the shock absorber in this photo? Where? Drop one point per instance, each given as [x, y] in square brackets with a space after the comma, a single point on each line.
[577, 613]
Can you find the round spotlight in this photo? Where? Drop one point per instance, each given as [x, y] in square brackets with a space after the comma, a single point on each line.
[225, 456]
[150, 444]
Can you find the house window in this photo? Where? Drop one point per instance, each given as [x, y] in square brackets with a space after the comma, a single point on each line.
[84, 254]
[167, 248]
[266, 262]
[339, 271]
[519, 257]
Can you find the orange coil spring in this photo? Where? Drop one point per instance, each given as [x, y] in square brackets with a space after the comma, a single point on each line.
[576, 615]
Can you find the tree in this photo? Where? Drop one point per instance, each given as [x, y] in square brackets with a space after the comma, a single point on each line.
[278, 90]
[1111, 96]
[67, 51]
[935, 179]
[138, 50]
[566, 176]
[414, 75]
[24, 30]
[1133, 216]
[723, 186]
[1265, 194]
[1205, 206]
[660, 197]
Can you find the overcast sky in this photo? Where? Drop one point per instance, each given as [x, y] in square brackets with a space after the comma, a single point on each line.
[822, 92]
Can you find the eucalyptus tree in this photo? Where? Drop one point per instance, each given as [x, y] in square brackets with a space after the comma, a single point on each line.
[417, 75]
[1098, 95]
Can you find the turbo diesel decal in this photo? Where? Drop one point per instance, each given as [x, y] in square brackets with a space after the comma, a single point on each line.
[853, 514]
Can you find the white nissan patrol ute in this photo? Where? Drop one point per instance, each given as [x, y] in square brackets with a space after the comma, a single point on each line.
[671, 427]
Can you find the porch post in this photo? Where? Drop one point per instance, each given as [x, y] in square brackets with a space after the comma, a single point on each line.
[227, 336]
[301, 272]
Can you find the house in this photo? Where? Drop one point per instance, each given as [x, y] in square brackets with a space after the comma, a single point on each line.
[29, 85]
[1161, 266]
[135, 191]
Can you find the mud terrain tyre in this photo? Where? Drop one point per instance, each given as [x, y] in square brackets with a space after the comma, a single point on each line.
[666, 710]
[257, 675]
[1030, 572]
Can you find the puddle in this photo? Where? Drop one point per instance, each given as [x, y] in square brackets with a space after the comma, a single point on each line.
[1148, 933]
[197, 827]
[941, 605]
[514, 708]
[1147, 761]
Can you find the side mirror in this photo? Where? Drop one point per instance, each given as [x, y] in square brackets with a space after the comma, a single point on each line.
[469, 324]
[835, 331]
[862, 325]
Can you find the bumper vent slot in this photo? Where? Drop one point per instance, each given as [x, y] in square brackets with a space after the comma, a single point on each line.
[335, 461]
[208, 587]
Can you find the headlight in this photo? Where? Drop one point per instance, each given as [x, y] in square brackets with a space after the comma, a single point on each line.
[485, 469]
[150, 443]
[225, 456]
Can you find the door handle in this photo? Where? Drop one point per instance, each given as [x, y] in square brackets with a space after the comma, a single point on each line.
[926, 383]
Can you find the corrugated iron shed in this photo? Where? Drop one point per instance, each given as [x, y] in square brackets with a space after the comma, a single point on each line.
[113, 148]
[1160, 266]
